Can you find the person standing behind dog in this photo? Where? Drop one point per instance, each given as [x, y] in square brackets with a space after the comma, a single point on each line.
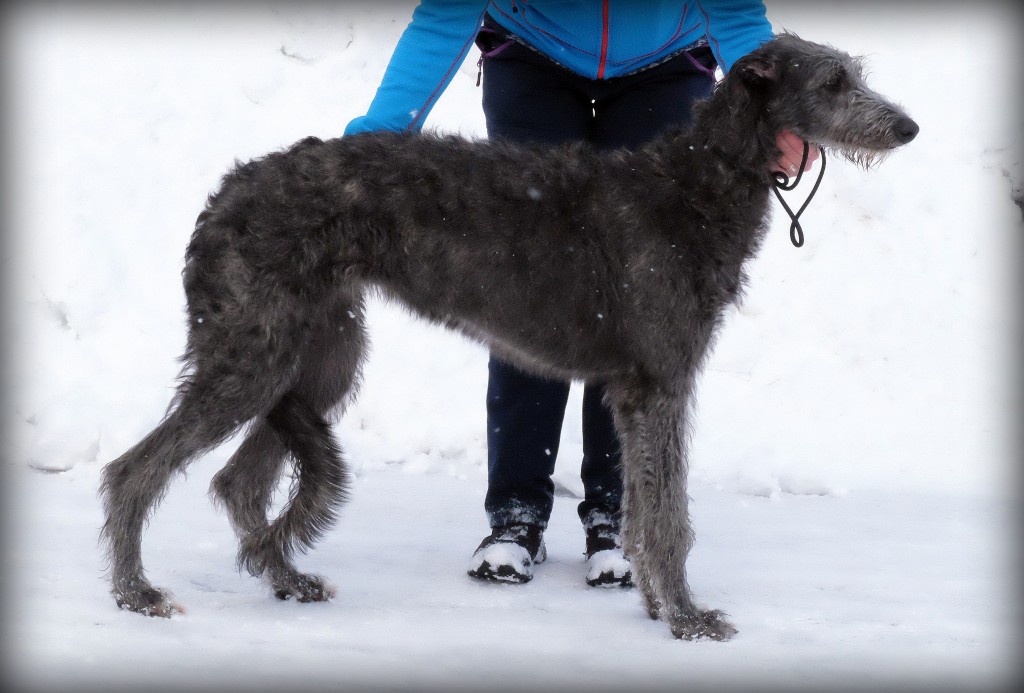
[613, 73]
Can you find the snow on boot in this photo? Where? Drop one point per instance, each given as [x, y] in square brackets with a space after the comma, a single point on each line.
[606, 564]
[508, 554]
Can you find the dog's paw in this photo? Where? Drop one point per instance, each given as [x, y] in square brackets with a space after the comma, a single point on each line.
[652, 606]
[148, 601]
[702, 625]
[304, 588]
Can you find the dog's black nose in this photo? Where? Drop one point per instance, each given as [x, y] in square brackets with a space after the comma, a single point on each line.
[906, 129]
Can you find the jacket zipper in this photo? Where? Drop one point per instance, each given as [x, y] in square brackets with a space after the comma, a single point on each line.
[604, 40]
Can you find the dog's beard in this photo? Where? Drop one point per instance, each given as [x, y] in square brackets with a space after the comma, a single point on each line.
[865, 159]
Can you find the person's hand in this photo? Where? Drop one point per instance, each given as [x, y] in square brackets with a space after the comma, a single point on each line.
[792, 148]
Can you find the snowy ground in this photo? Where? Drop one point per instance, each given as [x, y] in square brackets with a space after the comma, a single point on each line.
[852, 482]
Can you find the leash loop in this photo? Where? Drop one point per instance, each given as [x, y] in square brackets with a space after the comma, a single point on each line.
[796, 232]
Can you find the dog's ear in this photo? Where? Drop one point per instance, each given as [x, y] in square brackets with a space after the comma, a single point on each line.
[756, 69]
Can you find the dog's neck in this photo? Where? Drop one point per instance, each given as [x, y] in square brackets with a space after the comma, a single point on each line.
[733, 125]
[725, 156]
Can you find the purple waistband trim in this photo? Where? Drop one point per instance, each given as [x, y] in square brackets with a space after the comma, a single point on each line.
[495, 51]
[702, 68]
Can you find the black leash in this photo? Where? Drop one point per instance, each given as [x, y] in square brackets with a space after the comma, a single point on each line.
[796, 232]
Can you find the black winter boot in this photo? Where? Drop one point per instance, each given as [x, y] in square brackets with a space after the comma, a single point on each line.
[508, 554]
[606, 564]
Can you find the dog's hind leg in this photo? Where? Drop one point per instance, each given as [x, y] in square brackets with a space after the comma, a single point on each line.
[208, 411]
[657, 535]
[245, 487]
[297, 425]
[318, 491]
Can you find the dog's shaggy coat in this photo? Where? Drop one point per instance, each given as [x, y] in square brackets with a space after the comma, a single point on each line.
[612, 267]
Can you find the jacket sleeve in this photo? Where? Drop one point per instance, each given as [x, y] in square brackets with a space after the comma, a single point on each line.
[423, 64]
[734, 28]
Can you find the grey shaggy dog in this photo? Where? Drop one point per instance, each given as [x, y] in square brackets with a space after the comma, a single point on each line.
[610, 267]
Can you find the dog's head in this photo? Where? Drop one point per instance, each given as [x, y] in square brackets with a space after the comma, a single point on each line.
[819, 93]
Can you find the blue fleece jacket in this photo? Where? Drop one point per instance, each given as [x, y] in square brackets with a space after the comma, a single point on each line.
[599, 39]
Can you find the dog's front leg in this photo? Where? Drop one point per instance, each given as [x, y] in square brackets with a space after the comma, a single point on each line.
[652, 426]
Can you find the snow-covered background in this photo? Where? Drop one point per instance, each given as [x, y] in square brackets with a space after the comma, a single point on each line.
[853, 489]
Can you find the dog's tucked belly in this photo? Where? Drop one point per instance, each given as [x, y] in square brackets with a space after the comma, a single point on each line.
[547, 334]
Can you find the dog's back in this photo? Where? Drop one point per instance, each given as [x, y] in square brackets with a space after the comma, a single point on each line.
[568, 261]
